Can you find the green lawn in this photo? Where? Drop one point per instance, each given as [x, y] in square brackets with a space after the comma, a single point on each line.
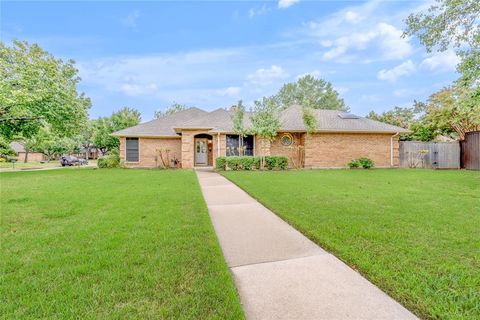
[414, 233]
[110, 244]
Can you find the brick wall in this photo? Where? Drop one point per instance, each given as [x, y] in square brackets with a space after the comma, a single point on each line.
[188, 147]
[331, 150]
[292, 152]
[148, 151]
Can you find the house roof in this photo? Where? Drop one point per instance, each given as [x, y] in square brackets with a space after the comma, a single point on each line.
[17, 146]
[334, 121]
[220, 121]
[162, 127]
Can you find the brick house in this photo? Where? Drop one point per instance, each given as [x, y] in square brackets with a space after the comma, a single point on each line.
[194, 137]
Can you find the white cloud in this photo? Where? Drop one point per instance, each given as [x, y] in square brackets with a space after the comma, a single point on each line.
[134, 90]
[258, 11]
[441, 61]
[229, 91]
[362, 33]
[267, 76]
[131, 19]
[404, 69]
[283, 4]
[384, 36]
[313, 73]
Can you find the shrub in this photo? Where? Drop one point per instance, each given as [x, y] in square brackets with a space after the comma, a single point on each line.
[354, 164]
[234, 163]
[272, 162]
[366, 163]
[221, 163]
[111, 160]
[247, 162]
[251, 163]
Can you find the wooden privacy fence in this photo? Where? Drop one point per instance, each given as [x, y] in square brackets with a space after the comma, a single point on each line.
[470, 151]
[435, 155]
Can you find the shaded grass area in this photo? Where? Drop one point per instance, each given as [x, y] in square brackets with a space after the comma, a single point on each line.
[414, 233]
[110, 244]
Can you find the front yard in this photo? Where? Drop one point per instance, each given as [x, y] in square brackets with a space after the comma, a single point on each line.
[110, 244]
[414, 233]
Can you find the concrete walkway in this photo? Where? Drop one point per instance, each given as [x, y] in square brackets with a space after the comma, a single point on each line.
[279, 273]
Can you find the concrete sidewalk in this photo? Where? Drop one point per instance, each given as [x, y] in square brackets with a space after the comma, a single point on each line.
[279, 273]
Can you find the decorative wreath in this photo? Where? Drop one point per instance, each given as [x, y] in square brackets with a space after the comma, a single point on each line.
[287, 139]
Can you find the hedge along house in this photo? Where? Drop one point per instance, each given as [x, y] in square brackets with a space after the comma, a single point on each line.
[196, 138]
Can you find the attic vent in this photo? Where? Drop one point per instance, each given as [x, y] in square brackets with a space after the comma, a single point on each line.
[345, 115]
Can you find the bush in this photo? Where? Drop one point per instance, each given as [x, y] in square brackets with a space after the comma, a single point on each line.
[221, 163]
[234, 163]
[365, 163]
[111, 160]
[247, 163]
[272, 162]
[354, 164]
[251, 163]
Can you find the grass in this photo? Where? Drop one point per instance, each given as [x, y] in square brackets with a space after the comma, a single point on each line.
[414, 233]
[110, 244]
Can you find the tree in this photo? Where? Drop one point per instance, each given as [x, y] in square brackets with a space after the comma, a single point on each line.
[409, 118]
[6, 150]
[104, 127]
[316, 93]
[38, 89]
[175, 107]
[449, 110]
[238, 124]
[452, 23]
[265, 122]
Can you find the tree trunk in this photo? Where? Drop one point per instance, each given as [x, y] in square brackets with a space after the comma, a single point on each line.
[25, 160]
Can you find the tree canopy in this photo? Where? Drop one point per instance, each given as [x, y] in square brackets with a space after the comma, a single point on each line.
[311, 92]
[36, 89]
[104, 127]
[265, 119]
[174, 107]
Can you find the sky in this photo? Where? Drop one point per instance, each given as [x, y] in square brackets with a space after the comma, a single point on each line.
[147, 55]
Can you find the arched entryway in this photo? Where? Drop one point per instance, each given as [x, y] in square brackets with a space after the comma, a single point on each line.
[203, 152]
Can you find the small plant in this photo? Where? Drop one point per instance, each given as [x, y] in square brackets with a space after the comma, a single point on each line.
[366, 163]
[354, 164]
[111, 160]
[221, 163]
[247, 163]
[273, 162]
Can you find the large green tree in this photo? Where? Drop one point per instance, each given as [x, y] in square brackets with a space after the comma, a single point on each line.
[104, 127]
[36, 89]
[452, 24]
[173, 108]
[311, 92]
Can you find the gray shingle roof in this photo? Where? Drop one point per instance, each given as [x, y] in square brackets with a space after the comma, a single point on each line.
[330, 121]
[220, 120]
[17, 146]
[162, 127]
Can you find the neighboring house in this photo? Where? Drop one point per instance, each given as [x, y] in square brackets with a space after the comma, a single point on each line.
[21, 153]
[196, 137]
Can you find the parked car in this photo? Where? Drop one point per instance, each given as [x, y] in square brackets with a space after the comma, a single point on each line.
[72, 161]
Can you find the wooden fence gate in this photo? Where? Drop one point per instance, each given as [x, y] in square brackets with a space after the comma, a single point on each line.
[470, 151]
[435, 155]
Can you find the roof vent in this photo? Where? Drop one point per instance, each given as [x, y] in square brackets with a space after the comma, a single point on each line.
[345, 115]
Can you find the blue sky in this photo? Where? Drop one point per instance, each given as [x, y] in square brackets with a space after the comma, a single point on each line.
[211, 54]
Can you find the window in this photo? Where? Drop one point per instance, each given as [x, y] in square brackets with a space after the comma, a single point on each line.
[287, 139]
[132, 149]
[233, 145]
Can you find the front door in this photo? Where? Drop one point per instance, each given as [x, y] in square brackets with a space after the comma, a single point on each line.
[201, 150]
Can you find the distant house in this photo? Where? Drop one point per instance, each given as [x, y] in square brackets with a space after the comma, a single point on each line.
[22, 154]
[196, 138]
